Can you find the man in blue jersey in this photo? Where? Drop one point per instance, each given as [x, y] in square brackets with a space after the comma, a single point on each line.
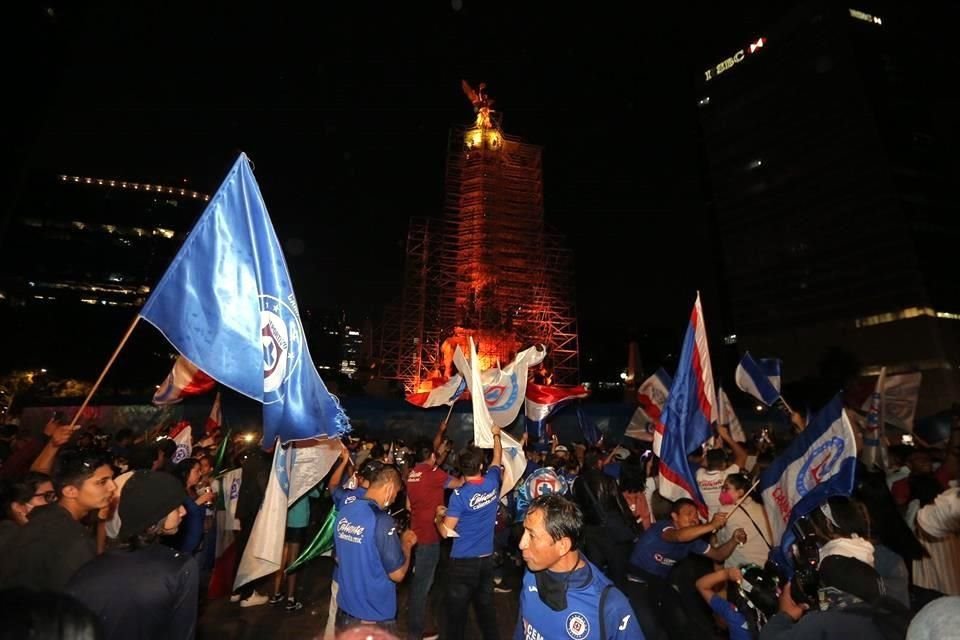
[472, 515]
[564, 595]
[342, 494]
[372, 555]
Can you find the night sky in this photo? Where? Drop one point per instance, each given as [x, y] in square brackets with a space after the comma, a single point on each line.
[344, 109]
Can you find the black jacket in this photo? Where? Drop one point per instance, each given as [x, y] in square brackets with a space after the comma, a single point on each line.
[47, 551]
[857, 621]
[147, 594]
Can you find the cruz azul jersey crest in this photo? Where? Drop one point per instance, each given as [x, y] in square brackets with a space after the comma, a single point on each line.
[281, 336]
[819, 465]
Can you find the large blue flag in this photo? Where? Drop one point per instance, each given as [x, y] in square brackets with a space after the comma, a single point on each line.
[691, 406]
[227, 304]
[818, 464]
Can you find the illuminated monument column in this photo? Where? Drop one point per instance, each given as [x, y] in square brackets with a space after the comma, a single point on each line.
[489, 269]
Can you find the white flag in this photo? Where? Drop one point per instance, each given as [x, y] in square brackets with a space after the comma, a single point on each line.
[184, 440]
[311, 460]
[728, 416]
[900, 394]
[264, 550]
[504, 390]
[482, 420]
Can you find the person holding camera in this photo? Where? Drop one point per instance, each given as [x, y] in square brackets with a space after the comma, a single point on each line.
[842, 598]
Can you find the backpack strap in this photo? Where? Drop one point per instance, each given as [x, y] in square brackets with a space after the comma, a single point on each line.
[603, 618]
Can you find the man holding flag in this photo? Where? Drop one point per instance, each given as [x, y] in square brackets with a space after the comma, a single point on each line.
[471, 514]
[470, 518]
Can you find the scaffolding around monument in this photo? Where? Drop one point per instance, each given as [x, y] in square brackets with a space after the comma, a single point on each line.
[489, 269]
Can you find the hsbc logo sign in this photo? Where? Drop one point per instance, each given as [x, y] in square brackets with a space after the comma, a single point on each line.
[733, 60]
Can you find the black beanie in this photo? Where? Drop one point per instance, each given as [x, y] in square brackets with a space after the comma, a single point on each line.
[145, 499]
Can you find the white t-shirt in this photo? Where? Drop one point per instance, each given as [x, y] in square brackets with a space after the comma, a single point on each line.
[711, 483]
[754, 550]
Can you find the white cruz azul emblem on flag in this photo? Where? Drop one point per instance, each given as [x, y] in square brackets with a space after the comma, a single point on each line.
[282, 342]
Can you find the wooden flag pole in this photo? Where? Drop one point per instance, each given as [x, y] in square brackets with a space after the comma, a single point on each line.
[449, 411]
[96, 385]
[744, 496]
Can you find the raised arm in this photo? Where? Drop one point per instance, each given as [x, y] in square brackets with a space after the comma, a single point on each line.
[709, 584]
[688, 534]
[337, 476]
[497, 447]
[739, 452]
[438, 438]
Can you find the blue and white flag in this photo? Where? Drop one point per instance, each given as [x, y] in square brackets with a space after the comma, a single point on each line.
[759, 378]
[227, 304]
[874, 453]
[690, 408]
[446, 394]
[512, 457]
[504, 389]
[264, 551]
[818, 464]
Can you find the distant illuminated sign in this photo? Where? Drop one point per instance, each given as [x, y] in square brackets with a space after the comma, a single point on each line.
[733, 60]
[866, 17]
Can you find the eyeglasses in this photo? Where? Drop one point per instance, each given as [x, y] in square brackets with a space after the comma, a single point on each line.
[49, 496]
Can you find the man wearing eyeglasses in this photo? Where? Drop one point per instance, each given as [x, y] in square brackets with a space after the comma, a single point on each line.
[46, 552]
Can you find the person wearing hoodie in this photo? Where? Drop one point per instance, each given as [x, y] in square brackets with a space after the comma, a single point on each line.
[143, 590]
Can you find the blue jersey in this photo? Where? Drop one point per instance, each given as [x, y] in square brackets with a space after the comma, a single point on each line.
[475, 506]
[655, 555]
[737, 626]
[343, 496]
[581, 619]
[368, 550]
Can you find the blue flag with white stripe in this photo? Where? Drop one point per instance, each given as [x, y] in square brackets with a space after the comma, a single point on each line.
[818, 464]
[226, 303]
[759, 378]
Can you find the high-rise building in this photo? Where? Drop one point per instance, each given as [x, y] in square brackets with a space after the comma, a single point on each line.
[93, 241]
[78, 256]
[830, 151]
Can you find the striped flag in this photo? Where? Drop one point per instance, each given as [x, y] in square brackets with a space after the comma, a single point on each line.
[652, 394]
[228, 490]
[182, 434]
[759, 378]
[651, 397]
[215, 419]
[874, 452]
[690, 409]
[446, 394]
[543, 401]
[185, 379]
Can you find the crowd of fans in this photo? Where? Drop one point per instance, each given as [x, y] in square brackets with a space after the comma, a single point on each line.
[112, 535]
